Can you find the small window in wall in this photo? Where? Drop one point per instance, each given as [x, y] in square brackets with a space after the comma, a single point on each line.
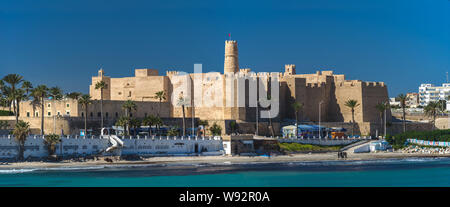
[131, 114]
[49, 113]
[99, 114]
[37, 114]
[129, 93]
[67, 112]
[120, 93]
[49, 105]
[82, 114]
[68, 105]
[59, 113]
[117, 114]
[106, 114]
[28, 114]
[92, 114]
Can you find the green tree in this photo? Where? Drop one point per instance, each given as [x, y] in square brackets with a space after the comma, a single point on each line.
[432, 110]
[74, 95]
[149, 121]
[84, 101]
[216, 130]
[233, 126]
[55, 93]
[40, 93]
[124, 122]
[135, 124]
[27, 86]
[173, 131]
[402, 98]
[381, 107]
[128, 106]
[4, 124]
[160, 95]
[20, 132]
[13, 80]
[20, 95]
[100, 86]
[50, 142]
[352, 104]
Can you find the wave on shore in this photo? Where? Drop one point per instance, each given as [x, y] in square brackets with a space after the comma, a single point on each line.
[228, 165]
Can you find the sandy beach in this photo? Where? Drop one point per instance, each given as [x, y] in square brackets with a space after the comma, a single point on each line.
[218, 159]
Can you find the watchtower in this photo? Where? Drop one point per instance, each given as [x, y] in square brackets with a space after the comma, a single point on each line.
[231, 57]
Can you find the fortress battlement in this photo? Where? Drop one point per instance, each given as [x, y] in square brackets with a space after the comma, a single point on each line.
[171, 73]
[350, 83]
[315, 85]
[374, 84]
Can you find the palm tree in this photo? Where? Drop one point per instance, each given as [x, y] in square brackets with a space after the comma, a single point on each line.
[381, 107]
[128, 106]
[182, 103]
[85, 100]
[160, 95]
[123, 122]
[8, 96]
[39, 94]
[215, 129]
[101, 85]
[74, 95]
[27, 86]
[173, 131]
[50, 142]
[55, 93]
[20, 132]
[431, 110]
[352, 104]
[20, 96]
[402, 98]
[13, 80]
[158, 122]
[135, 124]
[149, 121]
[297, 107]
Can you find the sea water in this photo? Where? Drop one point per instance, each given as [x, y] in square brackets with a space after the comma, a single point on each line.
[415, 172]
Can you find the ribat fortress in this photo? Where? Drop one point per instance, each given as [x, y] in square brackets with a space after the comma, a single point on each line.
[216, 98]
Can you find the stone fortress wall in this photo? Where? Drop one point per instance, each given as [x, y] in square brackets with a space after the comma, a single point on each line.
[333, 90]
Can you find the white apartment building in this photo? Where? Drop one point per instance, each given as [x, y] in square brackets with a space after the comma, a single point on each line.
[429, 92]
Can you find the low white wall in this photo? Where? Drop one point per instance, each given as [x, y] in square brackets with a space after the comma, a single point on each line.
[327, 142]
[73, 146]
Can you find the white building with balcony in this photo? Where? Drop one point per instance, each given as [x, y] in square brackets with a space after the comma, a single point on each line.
[430, 93]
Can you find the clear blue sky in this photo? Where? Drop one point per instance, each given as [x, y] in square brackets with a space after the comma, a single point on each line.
[64, 43]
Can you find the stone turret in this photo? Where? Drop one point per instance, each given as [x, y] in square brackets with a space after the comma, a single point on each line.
[231, 57]
[289, 69]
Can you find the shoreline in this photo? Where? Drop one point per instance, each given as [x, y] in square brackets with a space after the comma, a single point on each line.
[328, 156]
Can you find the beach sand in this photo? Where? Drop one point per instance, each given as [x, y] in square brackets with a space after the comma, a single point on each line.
[219, 159]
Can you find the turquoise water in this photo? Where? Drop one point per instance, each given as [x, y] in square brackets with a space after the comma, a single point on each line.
[416, 172]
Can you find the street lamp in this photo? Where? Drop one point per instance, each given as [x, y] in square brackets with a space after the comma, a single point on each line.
[320, 128]
[385, 108]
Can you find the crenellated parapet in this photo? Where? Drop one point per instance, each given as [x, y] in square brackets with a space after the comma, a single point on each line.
[315, 85]
[374, 84]
[172, 73]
